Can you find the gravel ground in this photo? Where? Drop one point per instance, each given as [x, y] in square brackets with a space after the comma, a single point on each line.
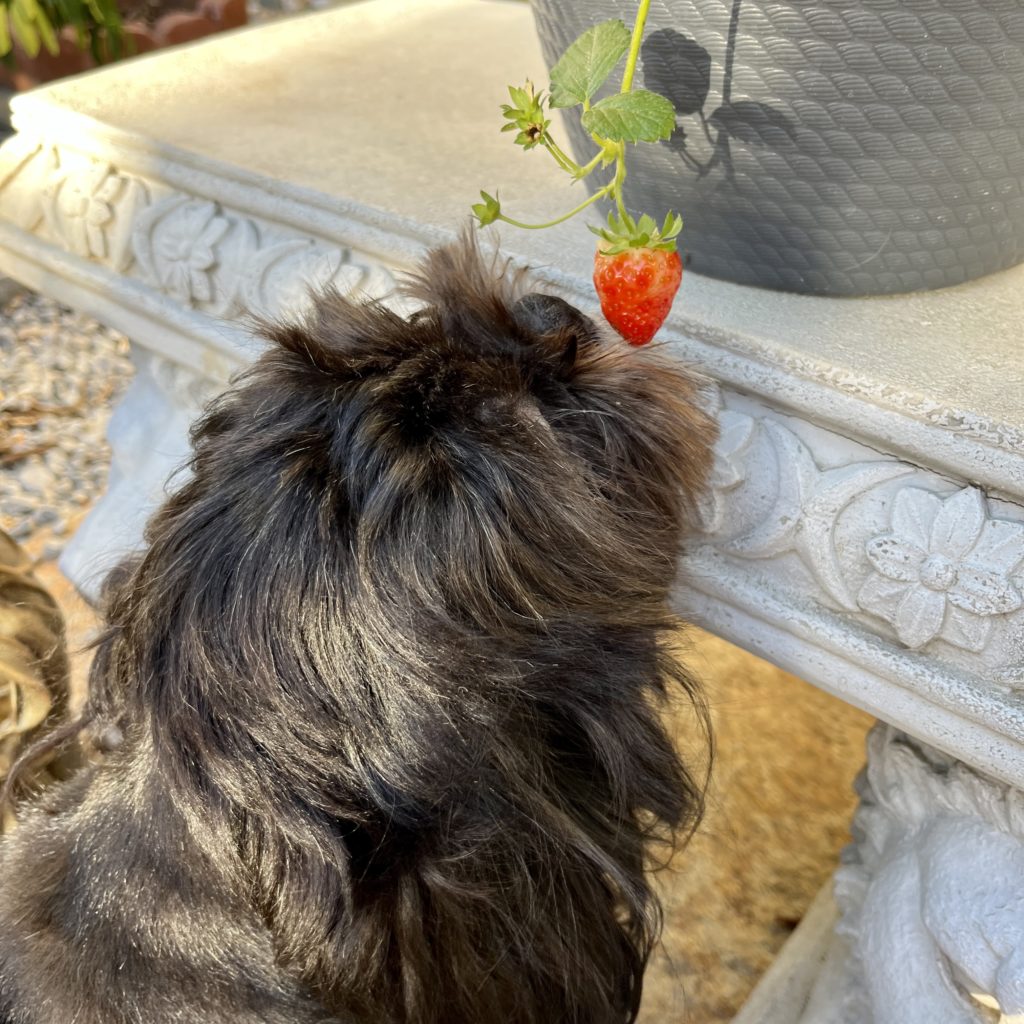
[60, 375]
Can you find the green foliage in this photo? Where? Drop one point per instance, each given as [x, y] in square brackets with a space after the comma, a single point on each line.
[488, 211]
[637, 116]
[628, 116]
[35, 25]
[623, 232]
[588, 62]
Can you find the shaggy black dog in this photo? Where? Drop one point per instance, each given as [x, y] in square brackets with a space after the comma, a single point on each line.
[388, 677]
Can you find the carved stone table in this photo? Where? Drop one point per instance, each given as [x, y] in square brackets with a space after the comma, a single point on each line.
[866, 527]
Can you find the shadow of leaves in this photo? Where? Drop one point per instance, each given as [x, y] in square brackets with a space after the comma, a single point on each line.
[756, 124]
[677, 67]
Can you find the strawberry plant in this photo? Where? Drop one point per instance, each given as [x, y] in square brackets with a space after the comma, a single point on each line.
[637, 269]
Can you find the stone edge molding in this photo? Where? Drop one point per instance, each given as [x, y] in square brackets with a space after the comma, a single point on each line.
[191, 250]
[948, 439]
[823, 547]
[922, 559]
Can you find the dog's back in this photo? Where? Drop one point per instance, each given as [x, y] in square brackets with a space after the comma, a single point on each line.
[388, 676]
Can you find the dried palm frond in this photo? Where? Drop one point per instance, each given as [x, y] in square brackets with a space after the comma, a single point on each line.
[34, 670]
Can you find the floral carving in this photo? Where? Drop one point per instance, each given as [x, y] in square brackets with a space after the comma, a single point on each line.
[282, 276]
[90, 208]
[204, 256]
[735, 434]
[175, 243]
[807, 503]
[87, 202]
[189, 248]
[944, 570]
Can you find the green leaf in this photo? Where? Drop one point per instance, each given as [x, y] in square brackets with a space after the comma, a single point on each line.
[647, 225]
[623, 232]
[5, 34]
[24, 30]
[43, 25]
[672, 226]
[583, 68]
[638, 116]
[520, 97]
[487, 211]
[48, 35]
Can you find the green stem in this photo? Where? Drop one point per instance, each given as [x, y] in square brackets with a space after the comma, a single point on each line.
[563, 160]
[599, 194]
[634, 45]
[582, 172]
[617, 182]
[627, 84]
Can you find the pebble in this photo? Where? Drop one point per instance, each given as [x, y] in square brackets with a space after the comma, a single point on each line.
[61, 373]
[33, 477]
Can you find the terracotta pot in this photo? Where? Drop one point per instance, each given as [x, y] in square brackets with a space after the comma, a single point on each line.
[207, 17]
[836, 148]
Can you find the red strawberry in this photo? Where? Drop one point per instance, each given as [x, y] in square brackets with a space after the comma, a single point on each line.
[636, 274]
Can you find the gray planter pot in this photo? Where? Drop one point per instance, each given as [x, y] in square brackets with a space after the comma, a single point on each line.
[833, 147]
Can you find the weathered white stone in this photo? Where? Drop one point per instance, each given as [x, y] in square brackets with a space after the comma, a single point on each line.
[931, 895]
[865, 524]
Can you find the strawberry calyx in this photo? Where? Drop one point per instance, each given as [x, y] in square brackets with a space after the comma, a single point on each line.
[623, 232]
[525, 115]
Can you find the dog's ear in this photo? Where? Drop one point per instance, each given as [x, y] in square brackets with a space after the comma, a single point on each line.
[557, 328]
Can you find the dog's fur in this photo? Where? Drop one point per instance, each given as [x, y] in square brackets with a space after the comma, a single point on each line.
[388, 676]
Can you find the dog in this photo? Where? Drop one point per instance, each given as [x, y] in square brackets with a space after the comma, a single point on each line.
[387, 681]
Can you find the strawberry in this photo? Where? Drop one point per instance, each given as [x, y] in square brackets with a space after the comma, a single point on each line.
[637, 271]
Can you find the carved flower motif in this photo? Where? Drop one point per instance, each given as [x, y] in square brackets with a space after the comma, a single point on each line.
[184, 251]
[81, 207]
[728, 471]
[944, 570]
[175, 242]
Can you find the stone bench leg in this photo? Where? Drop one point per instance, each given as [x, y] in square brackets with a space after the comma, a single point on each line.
[930, 897]
[148, 435]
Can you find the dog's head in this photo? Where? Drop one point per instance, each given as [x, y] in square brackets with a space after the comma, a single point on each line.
[497, 452]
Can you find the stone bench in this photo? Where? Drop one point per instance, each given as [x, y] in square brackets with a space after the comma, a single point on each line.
[866, 526]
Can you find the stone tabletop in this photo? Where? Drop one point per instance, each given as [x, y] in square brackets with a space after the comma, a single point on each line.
[399, 122]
